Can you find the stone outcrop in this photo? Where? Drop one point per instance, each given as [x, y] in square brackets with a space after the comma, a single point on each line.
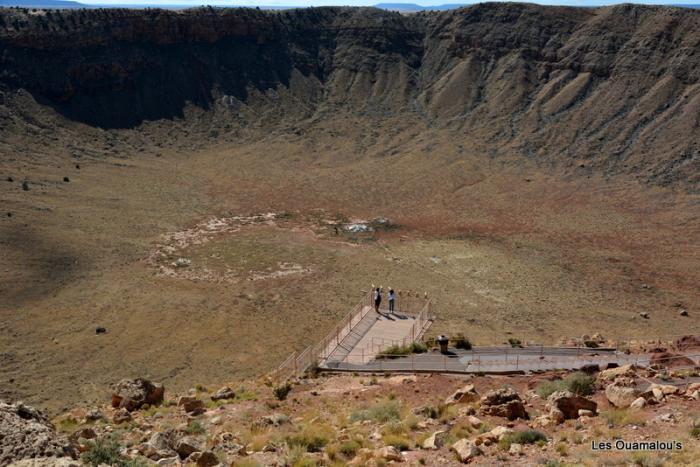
[466, 450]
[223, 394]
[464, 395]
[564, 405]
[132, 394]
[26, 432]
[504, 402]
[612, 373]
[621, 396]
[435, 441]
[191, 404]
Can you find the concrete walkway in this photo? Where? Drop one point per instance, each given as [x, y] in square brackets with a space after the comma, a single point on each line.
[373, 334]
[496, 360]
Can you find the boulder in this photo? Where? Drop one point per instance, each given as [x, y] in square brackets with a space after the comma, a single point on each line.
[159, 446]
[569, 404]
[639, 403]
[464, 395]
[223, 394]
[435, 441]
[203, 459]
[466, 450]
[188, 445]
[121, 416]
[515, 449]
[660, 391]
[131, 394]
[474, 422]
[621, 396]
[504, 402]
[26, 432]
[612, 373]
[389, 453]
[191, 404]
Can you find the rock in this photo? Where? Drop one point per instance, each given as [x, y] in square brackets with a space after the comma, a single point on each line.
[644, 315]
[191, 405]
[275, 419]
[47, 462]
[586, 413]
[25, 185]
[223, 394]
[435, 441]
[660, 391]
[464, 395]
[66, 179]
[504, 402]
[82, 433]
[203, 459]
[389, 453]
[26, 432]
[466, 450]
[665, 418]
[131, 394]
[100, 330]
[169, 461]
[94, 415]
[569, 404]
[121, 416]
[683, 312]
[375, 436]
[474, 422]
[612, 373]
[516, 449]
[670, 360]
[188, 445]
[639, 403]
[621, 396]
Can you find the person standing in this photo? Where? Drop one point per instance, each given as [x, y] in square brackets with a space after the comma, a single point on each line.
[377, 299]
[392, 300]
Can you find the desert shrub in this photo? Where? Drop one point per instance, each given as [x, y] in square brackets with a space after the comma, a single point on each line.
[381, 412]
[591, 344]
[578, 383]
[282, 390]
[514, 342]
[622, 417]
[195, 428]
[553, 463]
[310, 439]
[460, 341]
[695, 429]
[106, 451]
[402, 350]
[349, 448]
[399, 442]
[522, 437]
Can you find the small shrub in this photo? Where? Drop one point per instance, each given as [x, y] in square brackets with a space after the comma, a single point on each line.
[591, 344]
[399, 442]
[553, 463]
[622, 417]
[349, 448]
[522, 437]
[381, 412]
[514, 342]
[460, 341]
[695, 429]
[547, 388]
[195, 428]
[311, 439]
[562, 449]
[104, 451]
[396, 351]
[282, 390]
[578, 383]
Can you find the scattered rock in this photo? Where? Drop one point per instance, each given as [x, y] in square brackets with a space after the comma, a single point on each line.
[644, 315]
[275, 419]
[660, 391]
[94, 415]
[131, 394]
[435, 441]
[182, 262]
[568, 405]
[26, 432]
[683, 312]
[639, 403]
[612, 373]
[100, 330]
[223, 394]
[474, 421]
[169, 461]
[25, 185]
[466, 450]
[121, 416]
[504, 402]
[66, 179]
[463, 396]
[515, 449]
[187, 445]
[203, 459]
[389, 453]
[621, 396]
[191, 405]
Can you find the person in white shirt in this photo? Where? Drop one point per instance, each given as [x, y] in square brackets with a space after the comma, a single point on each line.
[392, 299]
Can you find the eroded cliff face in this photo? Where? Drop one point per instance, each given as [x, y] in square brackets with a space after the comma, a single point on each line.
[615, 88]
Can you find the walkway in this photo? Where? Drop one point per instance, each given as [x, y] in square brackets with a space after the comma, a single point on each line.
[375, 333]
[496, 360]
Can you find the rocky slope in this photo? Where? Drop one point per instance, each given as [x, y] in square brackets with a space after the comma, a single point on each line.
[614, 89]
